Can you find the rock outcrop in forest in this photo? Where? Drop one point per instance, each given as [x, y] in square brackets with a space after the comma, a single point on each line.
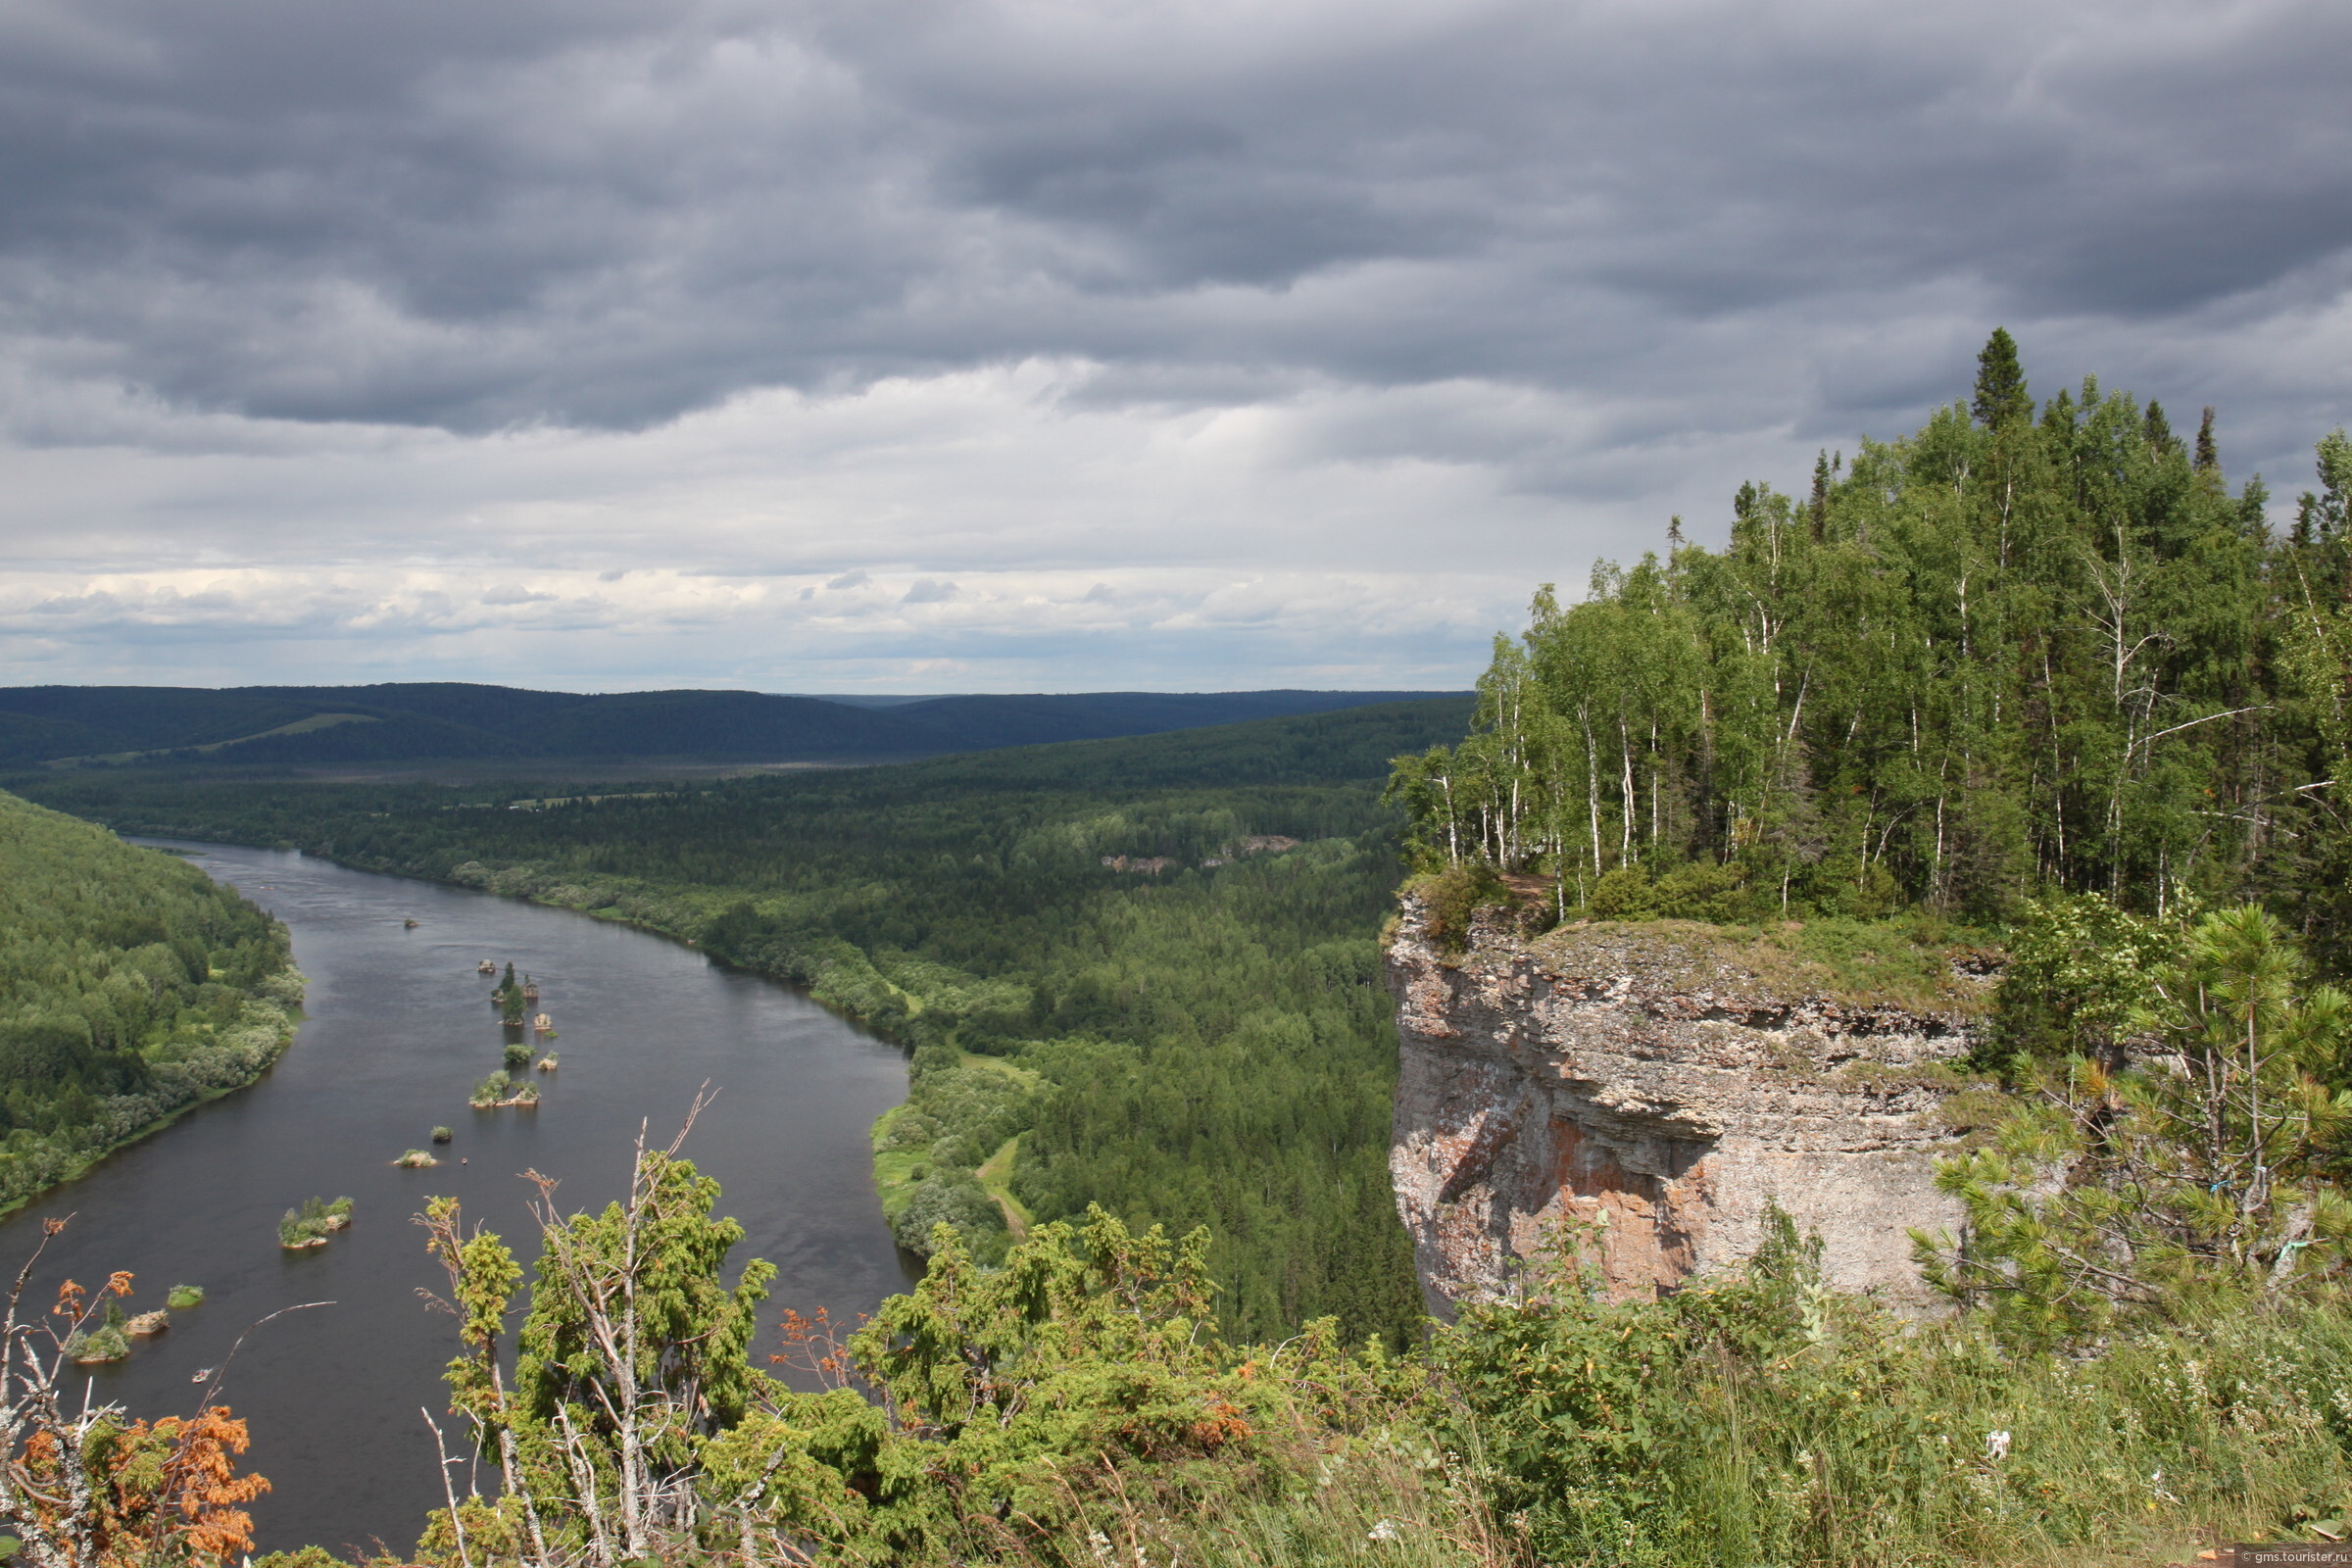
[1668, 1083]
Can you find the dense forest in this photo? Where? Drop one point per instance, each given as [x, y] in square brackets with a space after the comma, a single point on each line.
[396, 727]
[1140, 974]
[2026, 648]
[130, 987]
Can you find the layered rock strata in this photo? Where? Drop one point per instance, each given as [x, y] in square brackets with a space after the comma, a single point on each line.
[1664, 1085]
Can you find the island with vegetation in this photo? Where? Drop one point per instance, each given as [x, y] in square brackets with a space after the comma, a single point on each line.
[314, 1224]
[131, 988]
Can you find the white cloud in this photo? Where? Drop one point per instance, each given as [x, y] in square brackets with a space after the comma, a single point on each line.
[1010, 630]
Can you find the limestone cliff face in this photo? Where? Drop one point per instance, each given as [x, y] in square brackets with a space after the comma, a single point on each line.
[1670, 1085]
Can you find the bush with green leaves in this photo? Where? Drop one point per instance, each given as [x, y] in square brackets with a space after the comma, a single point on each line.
[2082, 979]
[1084, 1377]
[2198, 1178]
[953, 1199]
[1080, 1398]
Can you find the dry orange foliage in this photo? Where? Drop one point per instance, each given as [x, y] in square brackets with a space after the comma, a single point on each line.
[172, 1484]
[70, 1296]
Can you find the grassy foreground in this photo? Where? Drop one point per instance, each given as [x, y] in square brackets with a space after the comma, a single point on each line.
[1078, 1408]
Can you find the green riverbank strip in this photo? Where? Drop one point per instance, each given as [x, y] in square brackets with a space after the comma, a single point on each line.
[132, 989]
[212, 1075]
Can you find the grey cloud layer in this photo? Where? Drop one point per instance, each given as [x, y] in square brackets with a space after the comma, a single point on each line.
[1008, 343]
[609, 212]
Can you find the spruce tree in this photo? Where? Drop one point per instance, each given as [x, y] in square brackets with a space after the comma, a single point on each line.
[2001, 383]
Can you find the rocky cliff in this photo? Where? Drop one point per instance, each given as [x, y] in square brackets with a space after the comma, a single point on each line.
[1669, 1082]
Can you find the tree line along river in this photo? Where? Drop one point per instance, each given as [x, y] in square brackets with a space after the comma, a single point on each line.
[399, 1029]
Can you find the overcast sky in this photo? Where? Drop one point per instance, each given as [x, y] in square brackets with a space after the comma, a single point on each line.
[923, 345]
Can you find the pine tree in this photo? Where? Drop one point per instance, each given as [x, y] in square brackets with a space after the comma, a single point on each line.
[2001, 383]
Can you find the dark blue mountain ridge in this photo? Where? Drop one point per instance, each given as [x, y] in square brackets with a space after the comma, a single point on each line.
[405, 722]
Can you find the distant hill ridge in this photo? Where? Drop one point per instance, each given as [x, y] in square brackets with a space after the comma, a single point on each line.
[343, 727]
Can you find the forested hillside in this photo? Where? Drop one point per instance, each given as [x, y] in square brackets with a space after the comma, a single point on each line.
[379, 728]
[130, 987]
[1152, 961]
[2023, 647]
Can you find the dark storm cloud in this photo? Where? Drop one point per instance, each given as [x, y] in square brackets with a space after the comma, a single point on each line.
[608, 213]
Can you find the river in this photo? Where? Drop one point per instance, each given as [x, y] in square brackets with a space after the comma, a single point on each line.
[399, 1029]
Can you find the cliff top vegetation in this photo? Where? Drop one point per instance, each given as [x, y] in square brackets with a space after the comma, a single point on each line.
[1845, 961]
[2025, 649]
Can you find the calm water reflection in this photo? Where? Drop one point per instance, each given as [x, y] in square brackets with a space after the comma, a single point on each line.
[399, 1029]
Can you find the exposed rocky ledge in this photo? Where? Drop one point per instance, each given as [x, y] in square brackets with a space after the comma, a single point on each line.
[1670, 1083]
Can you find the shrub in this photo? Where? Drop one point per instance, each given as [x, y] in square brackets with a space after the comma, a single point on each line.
[1703, 891]
[302, 1557]
[182, 1296]
[909, 1128]
[1454, 894]
[314, 1222]
[2190, 1186]
[107, 1343]
[953, 1199]
[1623, 894]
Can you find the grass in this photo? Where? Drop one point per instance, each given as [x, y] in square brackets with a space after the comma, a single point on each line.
[996, 1180]
[1915, 963]
[1026, 1077]
[898, 1172]
[1383, 1498]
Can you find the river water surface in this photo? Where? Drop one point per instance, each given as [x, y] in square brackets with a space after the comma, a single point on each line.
[400, 1027]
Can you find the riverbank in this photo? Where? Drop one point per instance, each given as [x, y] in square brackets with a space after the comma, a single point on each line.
[396, 1032]
[132, 989]
[1178, 940]
[32, 1163]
